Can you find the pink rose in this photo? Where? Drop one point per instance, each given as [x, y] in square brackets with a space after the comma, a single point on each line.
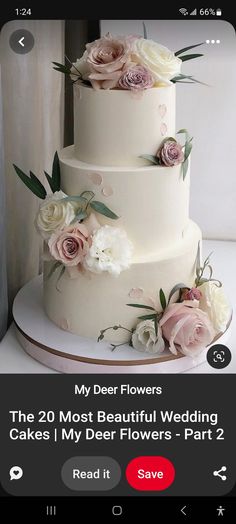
[170, 153]
[136, 78]
[70, 245]
[104, 80]
[185, 325]
[106, 58]
[191, 294]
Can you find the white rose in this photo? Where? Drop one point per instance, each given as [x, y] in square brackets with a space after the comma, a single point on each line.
[110, 251]
[214, 302]
[54, 213]
[80, 66]
[161, 62]
[145, 339]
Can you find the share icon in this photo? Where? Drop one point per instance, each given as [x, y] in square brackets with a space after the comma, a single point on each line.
[218, 473]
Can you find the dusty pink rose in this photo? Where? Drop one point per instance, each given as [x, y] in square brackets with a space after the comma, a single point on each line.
[106, 58]
[70, 245]
[136, 78]
[191, 294]
[170, 153]
[186, 326]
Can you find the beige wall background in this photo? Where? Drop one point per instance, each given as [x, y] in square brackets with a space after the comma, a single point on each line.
[209, 113]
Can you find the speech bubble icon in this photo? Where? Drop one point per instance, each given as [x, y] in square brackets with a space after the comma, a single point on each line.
[16, 473]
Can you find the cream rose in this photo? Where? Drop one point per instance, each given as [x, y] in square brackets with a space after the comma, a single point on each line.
[159, 60]
[145, 339]
[80, 66]
[54, 213]
[214, 302]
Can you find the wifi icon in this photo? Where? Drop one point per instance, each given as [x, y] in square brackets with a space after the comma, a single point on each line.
[183, 11]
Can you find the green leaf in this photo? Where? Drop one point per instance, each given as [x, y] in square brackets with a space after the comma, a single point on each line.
[59, 277]
[75, 198]
[53, 268]
[32, 182]
[156, 325]
[198, 257]
[185, 132]
[50, 182]
[176, 288]
[99, 207]
[91, 194]
[180, 78]
[162, 299]
[147, 317]
[37, 181]
[168, 139]
[142, 306]
[153, 159]
[61, 68]
[185, 168]
[56, 174]
[144, 31]
[187, 149]
[80, 216]
[184, 58]
[187, 48]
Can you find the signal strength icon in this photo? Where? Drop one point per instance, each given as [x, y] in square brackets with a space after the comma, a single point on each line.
[183, 11]
[194, 12]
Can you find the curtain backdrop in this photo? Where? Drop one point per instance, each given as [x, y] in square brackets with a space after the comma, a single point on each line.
[35, 125]
[3, 273]
[33, 119]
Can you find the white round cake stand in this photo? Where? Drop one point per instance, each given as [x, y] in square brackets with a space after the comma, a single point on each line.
[70, 353]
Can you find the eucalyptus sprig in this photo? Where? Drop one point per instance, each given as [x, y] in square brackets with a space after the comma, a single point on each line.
[187, 150]
[85, 201]
[35, 185]
[62, 68]
[54, 267]
[115, 328]
[187, 79]
[200, 279]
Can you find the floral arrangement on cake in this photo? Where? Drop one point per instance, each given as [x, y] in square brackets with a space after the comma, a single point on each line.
[74, 239]
[187, 325]
[130, 62]
[171, 153]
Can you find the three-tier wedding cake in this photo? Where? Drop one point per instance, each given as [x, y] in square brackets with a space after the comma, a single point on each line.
[122, 257]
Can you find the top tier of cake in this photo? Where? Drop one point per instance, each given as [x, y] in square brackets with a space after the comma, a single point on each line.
[114, 127]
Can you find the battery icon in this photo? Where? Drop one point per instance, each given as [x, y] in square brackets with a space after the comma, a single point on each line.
[218, 12]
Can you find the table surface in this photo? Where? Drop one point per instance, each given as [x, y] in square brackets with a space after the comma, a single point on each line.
[13, 358]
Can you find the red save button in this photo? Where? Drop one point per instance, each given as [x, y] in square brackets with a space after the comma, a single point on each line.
[150, 473]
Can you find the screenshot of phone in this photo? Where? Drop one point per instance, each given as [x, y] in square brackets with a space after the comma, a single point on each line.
[118, 256]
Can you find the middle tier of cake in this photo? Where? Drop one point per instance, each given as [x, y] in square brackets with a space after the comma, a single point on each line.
[151, 201]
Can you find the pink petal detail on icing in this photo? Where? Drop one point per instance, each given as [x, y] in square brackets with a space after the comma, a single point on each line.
[95, 178]
[162, 110]
[64, 324]
[107, 191]
[163, 129]
[136, 94]
[136, 292]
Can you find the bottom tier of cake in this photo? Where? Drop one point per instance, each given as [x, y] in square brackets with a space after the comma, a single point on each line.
[91, 302]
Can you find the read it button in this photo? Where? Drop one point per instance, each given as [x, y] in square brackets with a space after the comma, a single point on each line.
[150, 473]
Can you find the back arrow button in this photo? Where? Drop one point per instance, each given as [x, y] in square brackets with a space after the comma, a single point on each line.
[183, 510]
[21, 41]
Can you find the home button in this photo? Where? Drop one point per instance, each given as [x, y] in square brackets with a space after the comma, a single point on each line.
[117, 510]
